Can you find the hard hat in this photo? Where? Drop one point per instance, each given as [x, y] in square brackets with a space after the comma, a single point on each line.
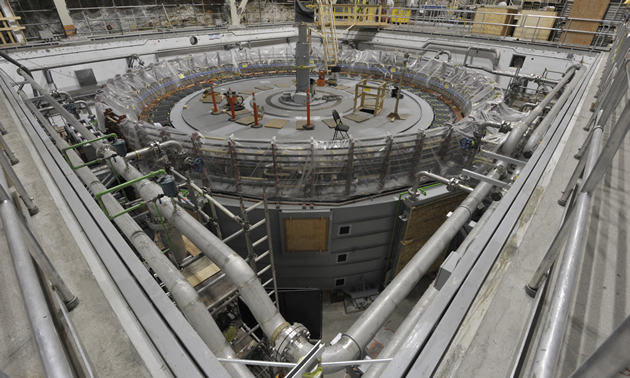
[626, 2]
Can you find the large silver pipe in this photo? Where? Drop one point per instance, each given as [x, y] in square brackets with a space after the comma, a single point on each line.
[363, 330]
[514, 138]
[232, 264]
[50, 348]
[550, 343]
[254, 295]
[611, 358]
[184, 294]
[541, 130]
[423, 303]
[15, 180]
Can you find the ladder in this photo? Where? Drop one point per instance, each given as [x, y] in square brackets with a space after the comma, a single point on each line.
[326, 20]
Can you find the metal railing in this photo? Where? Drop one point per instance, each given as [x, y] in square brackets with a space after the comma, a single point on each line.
[540, 29]
[593, 166]
[525, 28]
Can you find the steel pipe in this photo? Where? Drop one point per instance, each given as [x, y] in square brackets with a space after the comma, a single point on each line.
[15, 180]
[550, 343]
[184, 294]
[154, 148]
[363, 330]
[514, 138]
[418, 310]
[541, 130]
[453, 184]
[233, 265]
[611, 358]
[50, 349]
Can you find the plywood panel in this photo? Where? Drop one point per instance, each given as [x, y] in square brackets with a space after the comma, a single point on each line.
[589, 9]
[494, 15]
[530, 19]
[200, 271]
[306, 234]
[424, 220]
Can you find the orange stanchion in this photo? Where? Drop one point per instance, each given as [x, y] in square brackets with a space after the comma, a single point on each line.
[214, 99]
[230, 96]
[255, 109]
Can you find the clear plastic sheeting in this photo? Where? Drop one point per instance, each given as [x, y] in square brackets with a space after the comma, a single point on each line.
[312, 170]
[140, 18]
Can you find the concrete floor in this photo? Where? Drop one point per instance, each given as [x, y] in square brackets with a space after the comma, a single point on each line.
[104, 332]
[488, 339]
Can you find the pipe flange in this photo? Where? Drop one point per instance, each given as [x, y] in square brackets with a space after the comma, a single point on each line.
[154, 147]
[286, 338]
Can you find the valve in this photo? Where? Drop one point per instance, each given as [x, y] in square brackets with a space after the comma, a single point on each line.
[466, 144]
[198, 164]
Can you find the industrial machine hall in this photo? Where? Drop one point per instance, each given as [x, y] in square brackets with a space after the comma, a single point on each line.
[314, 188]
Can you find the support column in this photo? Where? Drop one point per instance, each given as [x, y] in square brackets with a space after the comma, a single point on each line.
[64, 16]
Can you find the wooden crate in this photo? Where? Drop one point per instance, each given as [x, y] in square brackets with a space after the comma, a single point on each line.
[531, 18]
[589, 9]
[494, 15]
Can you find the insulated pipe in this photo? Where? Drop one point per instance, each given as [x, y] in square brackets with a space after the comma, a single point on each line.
[15, 180]
[514, 138]
[611, 358]
[405, 328]
[184, 294]
[550, 343]
[50, 349]
[541, 130]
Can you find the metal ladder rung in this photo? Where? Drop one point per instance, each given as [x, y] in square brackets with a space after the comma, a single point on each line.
[258, 258]
[256, 225]
[237, 233]
[263, 270]
[261, 240]
[268, 282]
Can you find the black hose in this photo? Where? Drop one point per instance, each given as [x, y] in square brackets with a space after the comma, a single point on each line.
[20, 66]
